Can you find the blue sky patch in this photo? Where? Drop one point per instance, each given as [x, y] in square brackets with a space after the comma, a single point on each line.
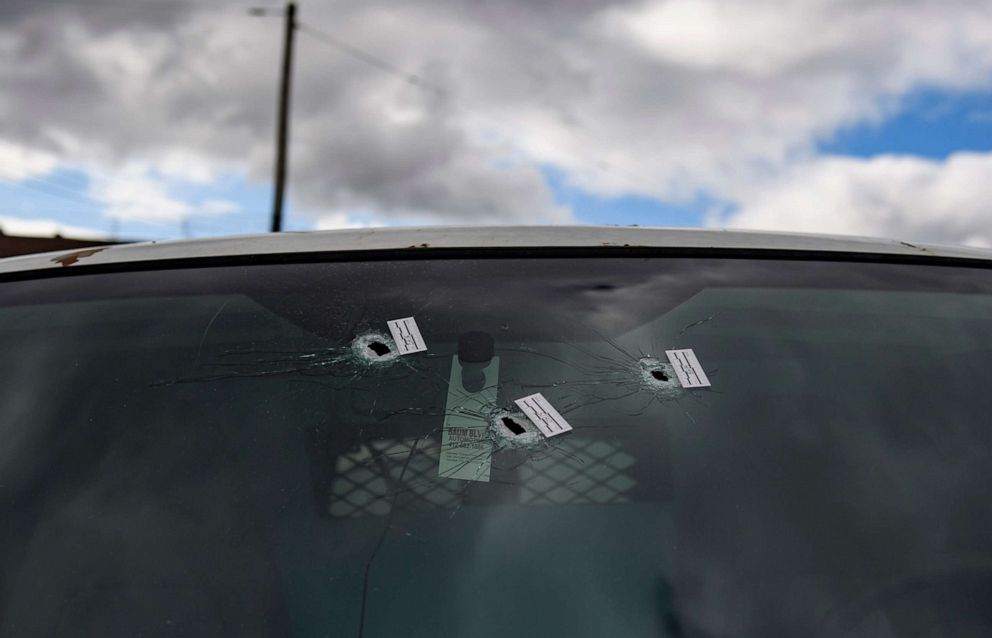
[628, 210]
[930, 124]
[62, 196]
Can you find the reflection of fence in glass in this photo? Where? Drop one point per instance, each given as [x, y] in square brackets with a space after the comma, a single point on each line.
[591, 472]
[366, 478]
[585, 471]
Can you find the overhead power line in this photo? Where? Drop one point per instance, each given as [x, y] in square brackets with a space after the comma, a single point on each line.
[423, 83]
[52, 189]
[371, 59]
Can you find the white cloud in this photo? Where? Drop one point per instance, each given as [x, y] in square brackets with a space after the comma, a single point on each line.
[47, 228]
[134, 194]
[757, 37]
[714, 93]
[218, 207]
[661, 98]
[18, 162]
[339, 220]
[944, 202]
[188, 166]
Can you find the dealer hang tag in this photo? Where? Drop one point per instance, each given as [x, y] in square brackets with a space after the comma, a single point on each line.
[466, 448]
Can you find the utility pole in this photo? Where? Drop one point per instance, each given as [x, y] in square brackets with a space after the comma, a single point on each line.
[282, 124]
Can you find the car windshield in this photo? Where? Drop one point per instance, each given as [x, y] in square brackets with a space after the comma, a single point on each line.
[246, 450]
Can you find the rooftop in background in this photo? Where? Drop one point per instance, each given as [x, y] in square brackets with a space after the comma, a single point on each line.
[14, 245]
[387, 239]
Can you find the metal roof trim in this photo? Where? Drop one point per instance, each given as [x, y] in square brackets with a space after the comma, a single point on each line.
[392, 239]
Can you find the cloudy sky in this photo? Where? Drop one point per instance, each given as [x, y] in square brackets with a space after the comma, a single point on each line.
[155, 118]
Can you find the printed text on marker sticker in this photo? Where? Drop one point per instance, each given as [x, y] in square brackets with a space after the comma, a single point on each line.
[543, 415]
[406, 335]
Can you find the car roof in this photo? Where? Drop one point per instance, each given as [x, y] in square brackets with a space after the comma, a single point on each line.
[476, 237]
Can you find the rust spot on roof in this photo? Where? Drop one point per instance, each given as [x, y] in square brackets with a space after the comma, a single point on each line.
[920, 248]
[71, 258]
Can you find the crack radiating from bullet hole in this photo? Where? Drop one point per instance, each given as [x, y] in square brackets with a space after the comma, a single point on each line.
[374, 348]
[367, 354]
[614, 373]
[513, 430]
[605, 372]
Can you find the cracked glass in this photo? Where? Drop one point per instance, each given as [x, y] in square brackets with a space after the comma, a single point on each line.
[241, 450]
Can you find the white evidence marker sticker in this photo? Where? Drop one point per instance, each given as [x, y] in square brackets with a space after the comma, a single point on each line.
[543, 415]
[407, 335]
[687, 368]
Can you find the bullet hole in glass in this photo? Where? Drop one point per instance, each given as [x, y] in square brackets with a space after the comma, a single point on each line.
[513, 426]
[379, 348]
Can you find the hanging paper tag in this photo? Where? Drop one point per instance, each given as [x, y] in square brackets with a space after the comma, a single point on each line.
[466, 449]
